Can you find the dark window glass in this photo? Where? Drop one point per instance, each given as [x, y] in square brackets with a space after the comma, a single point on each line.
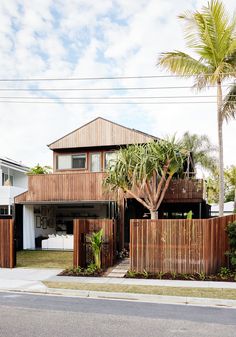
[79, 161]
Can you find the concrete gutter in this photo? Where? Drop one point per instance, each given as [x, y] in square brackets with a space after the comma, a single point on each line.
[177, 300]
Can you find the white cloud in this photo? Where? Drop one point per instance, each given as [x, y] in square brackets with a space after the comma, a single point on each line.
[74, 38]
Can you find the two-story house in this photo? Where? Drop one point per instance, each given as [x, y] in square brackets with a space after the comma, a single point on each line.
[75, 188]
[13, 181]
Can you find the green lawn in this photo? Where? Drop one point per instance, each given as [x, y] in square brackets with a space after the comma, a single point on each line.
[44, 259]
[151, 290]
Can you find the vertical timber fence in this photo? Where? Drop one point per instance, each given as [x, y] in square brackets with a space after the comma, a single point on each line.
[180, 246]
[83, 228]
[7, 256]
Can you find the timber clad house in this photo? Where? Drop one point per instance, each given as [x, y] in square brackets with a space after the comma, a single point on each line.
[75, 190]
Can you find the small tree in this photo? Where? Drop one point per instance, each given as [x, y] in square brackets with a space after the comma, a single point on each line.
[144, 171]
[38, 169]
[96, 243]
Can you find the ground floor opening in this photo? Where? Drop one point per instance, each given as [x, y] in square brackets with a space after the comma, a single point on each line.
[50, 226]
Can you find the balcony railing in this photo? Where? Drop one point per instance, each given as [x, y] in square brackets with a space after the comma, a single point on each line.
[89, 187]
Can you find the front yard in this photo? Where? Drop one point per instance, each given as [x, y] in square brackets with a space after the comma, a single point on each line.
[44, 259]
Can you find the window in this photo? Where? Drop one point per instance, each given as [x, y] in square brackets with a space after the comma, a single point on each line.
[95, 162]
[63, 162]
[4, 210]
[79, 161]
[5, 178]
[68, 162]
[110, 159]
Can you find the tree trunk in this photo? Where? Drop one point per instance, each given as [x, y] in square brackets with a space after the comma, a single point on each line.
[220, 142]
[154, 215]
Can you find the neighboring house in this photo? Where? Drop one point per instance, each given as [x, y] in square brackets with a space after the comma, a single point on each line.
[75, 188]
[13, 181]
[228, 209]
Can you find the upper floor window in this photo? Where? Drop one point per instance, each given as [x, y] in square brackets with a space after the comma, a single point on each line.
[63, 162]
[7, 179]
[95, 162]
[79, 161]
[110, 158]
[68, 162]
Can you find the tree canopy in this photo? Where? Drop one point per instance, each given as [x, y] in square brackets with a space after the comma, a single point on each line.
[145, 171]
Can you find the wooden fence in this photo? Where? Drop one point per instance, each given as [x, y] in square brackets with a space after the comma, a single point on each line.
[7, 256]
[85, 227]
[181, 246]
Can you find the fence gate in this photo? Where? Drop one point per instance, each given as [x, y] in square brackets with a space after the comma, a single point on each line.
[7, 256]
[83, 228]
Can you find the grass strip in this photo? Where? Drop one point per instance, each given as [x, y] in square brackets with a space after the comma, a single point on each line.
[229, 294]
[44, 259]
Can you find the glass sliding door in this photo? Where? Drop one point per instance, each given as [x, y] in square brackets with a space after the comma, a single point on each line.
[95, 162]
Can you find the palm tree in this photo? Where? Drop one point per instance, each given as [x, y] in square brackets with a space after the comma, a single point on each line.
[211, 35]
[144, 171]
[202, 151]
[230, 175]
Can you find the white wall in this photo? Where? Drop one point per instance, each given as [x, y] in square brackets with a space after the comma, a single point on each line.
[7, 194]
[28, 227]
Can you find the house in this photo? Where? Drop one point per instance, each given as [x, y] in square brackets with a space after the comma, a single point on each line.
[75, 188]
[13, 181]
[228, 209]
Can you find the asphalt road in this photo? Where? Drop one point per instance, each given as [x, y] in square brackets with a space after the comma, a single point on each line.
[24, 315]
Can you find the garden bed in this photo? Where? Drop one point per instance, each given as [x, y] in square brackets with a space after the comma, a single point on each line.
[90, 271]
[224, 275]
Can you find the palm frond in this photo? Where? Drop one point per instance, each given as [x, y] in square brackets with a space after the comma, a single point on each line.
[182, 64]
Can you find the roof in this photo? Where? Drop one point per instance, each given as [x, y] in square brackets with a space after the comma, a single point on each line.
[13, 164]
[101, 132]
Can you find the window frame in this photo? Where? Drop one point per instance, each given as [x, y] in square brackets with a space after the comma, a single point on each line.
[71, 155]
[86, 161]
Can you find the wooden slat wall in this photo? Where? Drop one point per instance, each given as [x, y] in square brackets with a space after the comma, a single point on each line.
[183, 189]
[7, 256]
[88, 226]
[181, 246]
[89, 186]
[101, 132]
[65, 187]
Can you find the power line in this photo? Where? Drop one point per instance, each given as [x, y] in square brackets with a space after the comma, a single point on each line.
[103, 89]
[110, 98]
[100, 78]
[105, 103]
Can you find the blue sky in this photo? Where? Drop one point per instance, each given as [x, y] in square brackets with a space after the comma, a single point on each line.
[85, 38]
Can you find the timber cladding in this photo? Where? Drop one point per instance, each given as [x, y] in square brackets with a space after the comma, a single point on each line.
[7, 256]
[65, 187]
[180, 246]
[83, 227]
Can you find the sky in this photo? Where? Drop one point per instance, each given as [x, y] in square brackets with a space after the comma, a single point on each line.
[86, 38]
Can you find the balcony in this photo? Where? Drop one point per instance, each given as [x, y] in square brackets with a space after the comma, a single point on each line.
[88, 186]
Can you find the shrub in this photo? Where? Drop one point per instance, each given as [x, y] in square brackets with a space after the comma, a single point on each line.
[231, 231]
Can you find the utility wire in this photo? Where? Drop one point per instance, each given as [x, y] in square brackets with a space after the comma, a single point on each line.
[110, 98]
[99, 78]
[102, 89]
[105, 103]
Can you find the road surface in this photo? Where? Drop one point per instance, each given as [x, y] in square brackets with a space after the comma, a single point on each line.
[26, 315]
